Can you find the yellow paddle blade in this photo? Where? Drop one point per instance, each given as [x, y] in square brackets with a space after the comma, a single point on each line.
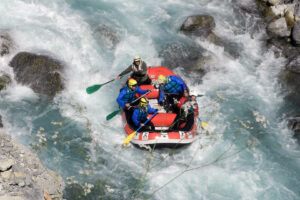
[204, 125]
[128, 138]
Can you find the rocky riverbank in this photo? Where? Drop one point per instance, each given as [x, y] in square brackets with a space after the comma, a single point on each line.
[23, 176]
[282, 18]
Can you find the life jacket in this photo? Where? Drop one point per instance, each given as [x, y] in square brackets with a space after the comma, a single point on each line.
[138, 67]
[130, 94]
[141, 69]
[143, 113]
[171, 86]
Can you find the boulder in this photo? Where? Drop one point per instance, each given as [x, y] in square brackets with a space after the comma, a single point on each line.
[4, 81]
[5, 164]
[297, 11]
[294, 65]
[202, 26]
[6, 43]
[278, 28]
[294, 124]
[199, 25]
[248, 6]
[106, 36]
[181, 55]
[296, 34]
[42, 73]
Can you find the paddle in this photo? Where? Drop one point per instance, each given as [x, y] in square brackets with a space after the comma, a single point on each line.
[130, 136]
[94, 88]
[203, 124]
[114, 113]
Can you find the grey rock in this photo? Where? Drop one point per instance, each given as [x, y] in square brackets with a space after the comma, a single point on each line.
[8, 197]
[278, 28]
[185, 56]
[6, 43]
[202, 26]
[248, 6]
[21, 181]
[294, 65]
[4, 81]
[106, 36]
[296, 34]
[5, 164]
[1, 125]
[6, 175]
[199, 25]
[41, 73]
[294, 125]
[297, 11]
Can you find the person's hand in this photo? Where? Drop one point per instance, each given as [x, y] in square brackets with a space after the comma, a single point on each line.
[118, 77]
[127, 105]
[135, 69]
[158, 107]
[142, 124]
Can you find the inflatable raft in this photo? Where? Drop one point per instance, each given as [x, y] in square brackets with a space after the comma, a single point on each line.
[162, 136]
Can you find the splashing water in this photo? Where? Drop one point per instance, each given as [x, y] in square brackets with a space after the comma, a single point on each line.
[246, 154]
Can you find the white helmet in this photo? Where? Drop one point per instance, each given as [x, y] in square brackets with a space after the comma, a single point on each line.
[193, 93]
[137, 58]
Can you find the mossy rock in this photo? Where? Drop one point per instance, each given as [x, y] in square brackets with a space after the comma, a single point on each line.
[4, 81]
[6, 44]
[42, 73]
[292, 81]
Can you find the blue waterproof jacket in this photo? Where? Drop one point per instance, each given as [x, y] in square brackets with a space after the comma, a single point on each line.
[127, 95]
[140, 114]
[173, 85]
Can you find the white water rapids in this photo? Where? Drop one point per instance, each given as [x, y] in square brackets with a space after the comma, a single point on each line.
[248, 153]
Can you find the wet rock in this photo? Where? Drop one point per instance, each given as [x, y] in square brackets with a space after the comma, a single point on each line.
[6, 43]
[202, 26]
[106, 36]
[199, 25]
[41, 73]
[294, 65]
[278, 28]
[1, 124]
[184, 56]
[292, 82]
[4, 81]
[297, 11]
[248, 6]
[294, 124]
[5, 164]
[296, 34]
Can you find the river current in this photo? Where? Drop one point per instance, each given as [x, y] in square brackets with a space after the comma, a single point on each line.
[247, 152]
